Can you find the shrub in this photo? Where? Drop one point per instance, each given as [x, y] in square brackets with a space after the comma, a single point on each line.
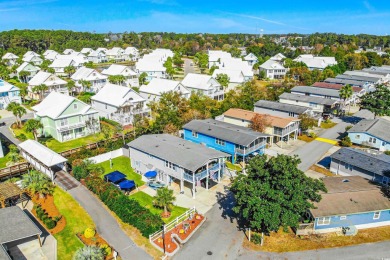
[127, 209]
[89, 232]
[50, 223]
[106, 249]
[57, 218]
[44, 217]
[346, 142]
[80, 172]
[348, 127]
[77, 162]
[312, 135]
[256, 238]
[387, 152]
[22, 137]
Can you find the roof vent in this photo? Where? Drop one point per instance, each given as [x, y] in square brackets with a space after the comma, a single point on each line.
[345, 180]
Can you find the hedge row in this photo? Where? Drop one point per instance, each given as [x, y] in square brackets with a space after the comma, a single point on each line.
[49, 222]
[127, 209]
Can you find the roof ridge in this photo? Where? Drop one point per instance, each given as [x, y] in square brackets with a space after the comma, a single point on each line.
[376, 120]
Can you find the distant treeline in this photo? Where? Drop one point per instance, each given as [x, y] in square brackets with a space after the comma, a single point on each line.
[20, 41]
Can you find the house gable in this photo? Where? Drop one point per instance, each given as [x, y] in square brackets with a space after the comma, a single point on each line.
[75, 108]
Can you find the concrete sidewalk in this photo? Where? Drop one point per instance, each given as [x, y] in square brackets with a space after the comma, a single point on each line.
[107, 226]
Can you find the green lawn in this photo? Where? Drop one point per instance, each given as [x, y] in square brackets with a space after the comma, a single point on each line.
[234, 167]
[122, 164]
[3, 162]
[147, 201]
[60, 147]
[327, 125]
[22, 130]
[77, 220]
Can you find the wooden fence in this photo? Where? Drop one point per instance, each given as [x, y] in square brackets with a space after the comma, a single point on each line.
[15, 170]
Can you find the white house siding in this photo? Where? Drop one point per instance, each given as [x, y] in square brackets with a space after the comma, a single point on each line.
[315, 107]
[275, 112]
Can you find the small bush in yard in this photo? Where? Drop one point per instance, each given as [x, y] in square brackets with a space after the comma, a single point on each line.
[89, 232]
[106, 249]
[50, 223]
[346, 142]
[256, 238]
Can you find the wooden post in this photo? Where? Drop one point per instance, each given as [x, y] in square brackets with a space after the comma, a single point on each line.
[249, 236]
[262, 238]
[39, 239]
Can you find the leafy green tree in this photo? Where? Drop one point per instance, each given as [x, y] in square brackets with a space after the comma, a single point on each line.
[18, 111]
[212, 69]
[378, 101]
[70, 84]
[307, 122]
[32, 126]
[117, 79]
[164, 199]
[177, 59]
[13, 155]
[23, 89]
[142, 78]
[346, 92]
[223, 79]
[274, 193]
[86, 85]
[24, 74]
[51, 70]
[45, 65]
[89, 253]
[69, 70]
[202, 60]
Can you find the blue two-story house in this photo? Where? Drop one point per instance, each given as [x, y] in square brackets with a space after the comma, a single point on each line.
[351, 203]
[240, 142]
[371, 132]
[8, 93]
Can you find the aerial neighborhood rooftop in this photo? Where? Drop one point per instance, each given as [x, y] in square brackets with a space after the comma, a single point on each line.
[149, 136]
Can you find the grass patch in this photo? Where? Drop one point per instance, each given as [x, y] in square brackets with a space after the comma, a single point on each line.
[321, 170]
[147, 201]
[233, 167]
[287, 242]
[60, 147]
[122, 164]
[20, 131]
[77, 220]
[3, 162]
[305, 138]
[327, 125]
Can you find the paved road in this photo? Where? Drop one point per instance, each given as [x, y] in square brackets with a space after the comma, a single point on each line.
[4, 130]
[107, 226]
[187, 67]
[313, 151]
[218, 235]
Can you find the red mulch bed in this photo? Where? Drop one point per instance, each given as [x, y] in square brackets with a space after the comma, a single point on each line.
[96, 240]
[169, 245]
[48, 205]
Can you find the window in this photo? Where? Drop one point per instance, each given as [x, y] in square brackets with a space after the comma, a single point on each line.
[219, 142]
[75, 106]
[195, 134]
[348, 166]
[63, 122]
[106, 106]
[168, 164]
[323, 221]
[377, 215]
[357, 136]
[343, 217]
[372, 140]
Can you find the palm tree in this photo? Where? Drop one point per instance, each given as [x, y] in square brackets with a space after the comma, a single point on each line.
[24, 74]
[40, 89]
[37, 182]
[70, 85]
[69, 70]
[164, 199]
[89, 253]
[345, 93]
[85, 84]
[32, 126]
[17, 110]
[23, 89]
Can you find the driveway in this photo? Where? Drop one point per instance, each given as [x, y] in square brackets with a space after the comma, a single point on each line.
[6, 132]
[107, 226]
[313, 151]
[187, 67]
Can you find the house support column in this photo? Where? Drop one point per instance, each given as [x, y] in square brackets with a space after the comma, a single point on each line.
[181, 185]
[193, 185]
[207, 177]
[219, 170]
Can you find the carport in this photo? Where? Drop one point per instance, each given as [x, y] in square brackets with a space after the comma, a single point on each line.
[42, 158]
[16, 226]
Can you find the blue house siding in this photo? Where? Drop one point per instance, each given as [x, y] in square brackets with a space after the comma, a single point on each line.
[210, 141]
[353, 219]
[364, 139]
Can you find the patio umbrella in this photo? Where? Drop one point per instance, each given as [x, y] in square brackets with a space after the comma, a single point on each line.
[115, 177]
[150, 174]
[126, 184]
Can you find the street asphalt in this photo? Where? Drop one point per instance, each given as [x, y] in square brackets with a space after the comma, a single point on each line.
[6, 132]
[187, 67]
[107, 226]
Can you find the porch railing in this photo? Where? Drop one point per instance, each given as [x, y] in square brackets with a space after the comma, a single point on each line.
[201, 175]
[250, 149]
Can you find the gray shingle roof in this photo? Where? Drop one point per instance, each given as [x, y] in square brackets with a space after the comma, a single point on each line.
[378, 164]
[308, 99]
[273, 105]
[186, 154]
[345, 81]
[358, 78]
[316, 91]
[225, 131]
[376, 127]
[15, 225]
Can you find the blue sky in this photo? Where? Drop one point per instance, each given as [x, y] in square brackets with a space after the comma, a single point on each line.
[214, 16]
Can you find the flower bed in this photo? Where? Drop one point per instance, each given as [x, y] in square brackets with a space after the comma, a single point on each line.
[181, 233]
[98, 241]
[47, 204]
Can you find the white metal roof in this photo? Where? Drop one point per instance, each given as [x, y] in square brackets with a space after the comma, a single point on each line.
[42, 153]
[116, 95]
[46, 78]
[235, 76]
[199, 81]
[5, 87]
[116, 69]
[24, 65]
[271, 65]
[159, 86]
[84, 73]
[9, 56]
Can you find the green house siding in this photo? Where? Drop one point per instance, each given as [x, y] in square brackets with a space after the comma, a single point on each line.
[74, 126]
